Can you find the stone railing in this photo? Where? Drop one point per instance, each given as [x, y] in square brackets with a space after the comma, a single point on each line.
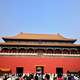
[40, 54]
[18, 54]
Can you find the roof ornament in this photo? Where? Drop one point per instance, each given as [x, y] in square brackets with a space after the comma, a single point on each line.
[21, 32]
[58, 33]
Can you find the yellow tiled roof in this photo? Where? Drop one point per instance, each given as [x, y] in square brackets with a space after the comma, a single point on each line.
[38, 36]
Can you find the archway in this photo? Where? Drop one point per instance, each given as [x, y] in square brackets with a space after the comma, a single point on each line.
[30, 50]
[58, 51]
[13, 50]
[5, 50]
[49, 51]
[39, 51]
[66, 51]
[22, 50]
[73, 51]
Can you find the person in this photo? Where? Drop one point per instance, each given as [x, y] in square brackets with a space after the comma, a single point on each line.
[60, 78]
[17, 79]
[9, 78]
[36, 77]
[76, 78]
[6, 77]
[47, 77]
[31, 76]
[65, 77]
[26, 77]
[21, 78]
[1, 78]
[69, 77]
[72, 77]
[55, 77]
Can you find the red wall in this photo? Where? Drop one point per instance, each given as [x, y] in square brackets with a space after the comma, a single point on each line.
[49, 63]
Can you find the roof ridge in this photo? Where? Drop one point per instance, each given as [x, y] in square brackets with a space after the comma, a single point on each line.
[39, 33]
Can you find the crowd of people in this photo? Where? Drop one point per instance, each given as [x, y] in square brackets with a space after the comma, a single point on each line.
[32, 76]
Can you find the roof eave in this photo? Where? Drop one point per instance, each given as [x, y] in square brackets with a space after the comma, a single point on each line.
[70, 40]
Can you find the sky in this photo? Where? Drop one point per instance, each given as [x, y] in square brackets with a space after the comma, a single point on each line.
[40, 16]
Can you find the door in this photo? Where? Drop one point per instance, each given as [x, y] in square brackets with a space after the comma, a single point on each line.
[40, 69]
[59, 71]
[19, 71]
